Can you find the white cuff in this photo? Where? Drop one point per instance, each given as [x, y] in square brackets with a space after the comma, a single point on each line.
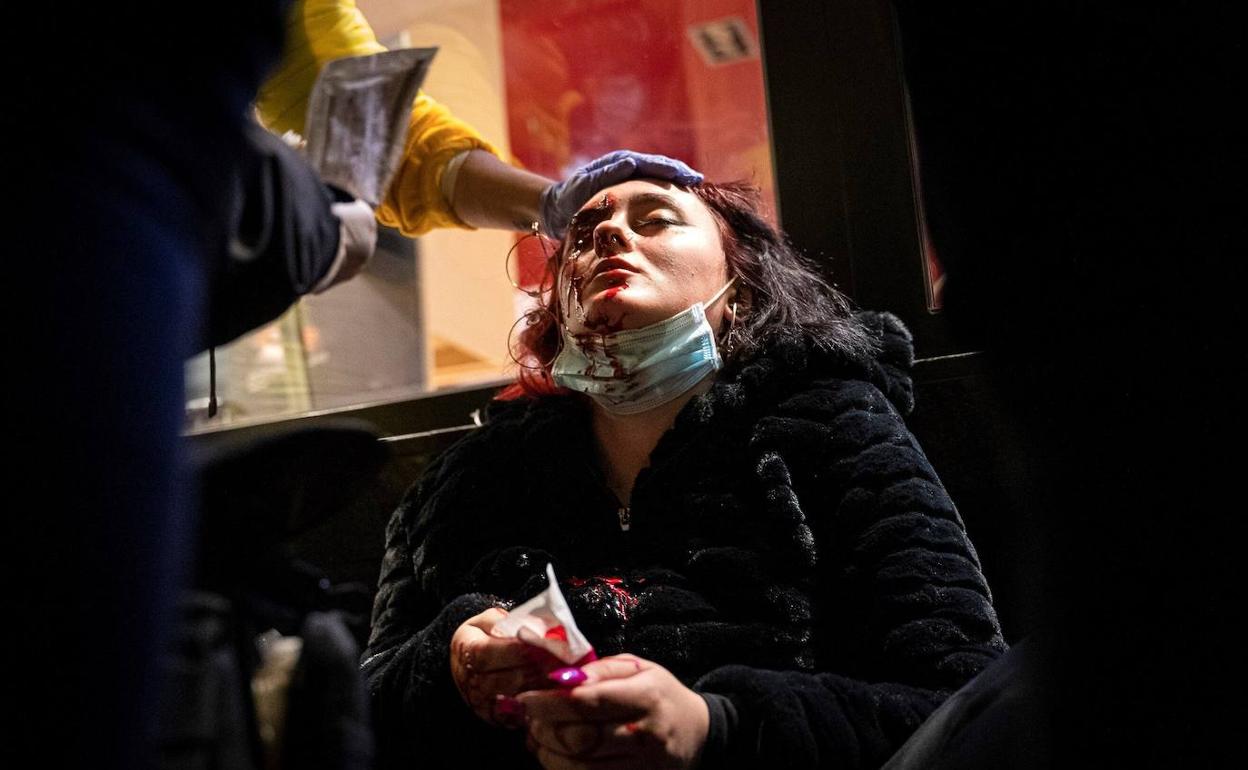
[450, 175]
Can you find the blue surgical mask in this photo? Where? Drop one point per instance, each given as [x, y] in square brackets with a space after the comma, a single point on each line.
[635, 370]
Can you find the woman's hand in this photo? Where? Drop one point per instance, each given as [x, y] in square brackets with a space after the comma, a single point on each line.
[628, 712]
[489, 671]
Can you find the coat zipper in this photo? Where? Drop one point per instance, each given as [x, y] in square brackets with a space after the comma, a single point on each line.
[624, 513]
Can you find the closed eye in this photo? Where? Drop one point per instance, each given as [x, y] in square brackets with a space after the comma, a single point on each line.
[655, 222]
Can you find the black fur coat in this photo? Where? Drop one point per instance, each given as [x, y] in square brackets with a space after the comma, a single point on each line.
[790, 548]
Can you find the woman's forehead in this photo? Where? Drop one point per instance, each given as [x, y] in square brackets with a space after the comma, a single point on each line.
[638, 192]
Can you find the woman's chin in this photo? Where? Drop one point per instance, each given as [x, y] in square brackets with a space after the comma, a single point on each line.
[602, 292]
[615, 308]
[600, 322]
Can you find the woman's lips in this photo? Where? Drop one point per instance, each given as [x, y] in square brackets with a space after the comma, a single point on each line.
[607, 284]
[612, 265]
[612, 277]
[610, 274]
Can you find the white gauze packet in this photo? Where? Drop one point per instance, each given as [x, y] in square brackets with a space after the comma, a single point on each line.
[358, 116]
[545, 621]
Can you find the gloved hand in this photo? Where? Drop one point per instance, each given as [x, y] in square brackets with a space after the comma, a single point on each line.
[561, 200]
[357, 239]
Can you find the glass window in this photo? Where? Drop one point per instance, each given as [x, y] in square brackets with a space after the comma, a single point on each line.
[553, 84]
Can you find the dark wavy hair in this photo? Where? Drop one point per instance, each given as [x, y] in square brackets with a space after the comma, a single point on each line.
[779, 293]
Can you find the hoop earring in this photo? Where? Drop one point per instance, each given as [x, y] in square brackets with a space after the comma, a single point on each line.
[535, 317]
[548, 275]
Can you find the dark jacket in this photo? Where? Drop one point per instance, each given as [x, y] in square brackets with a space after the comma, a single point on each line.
[284, 240]
[790, 548]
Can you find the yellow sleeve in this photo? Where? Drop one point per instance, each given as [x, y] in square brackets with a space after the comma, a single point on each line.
[319, 31]
[414, 203]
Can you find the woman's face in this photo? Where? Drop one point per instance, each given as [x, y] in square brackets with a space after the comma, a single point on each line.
[638, 253]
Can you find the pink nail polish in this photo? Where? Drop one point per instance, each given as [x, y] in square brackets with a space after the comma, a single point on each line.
[567, 677]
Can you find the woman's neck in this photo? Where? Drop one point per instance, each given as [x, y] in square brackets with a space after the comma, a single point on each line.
[624, 442]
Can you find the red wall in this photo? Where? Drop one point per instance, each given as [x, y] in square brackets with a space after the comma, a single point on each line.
[585, 77]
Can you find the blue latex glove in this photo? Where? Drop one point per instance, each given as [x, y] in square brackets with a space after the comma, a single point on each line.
[562, 200]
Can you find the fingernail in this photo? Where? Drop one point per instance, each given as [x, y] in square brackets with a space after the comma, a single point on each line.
[507, 706]
[567, 677]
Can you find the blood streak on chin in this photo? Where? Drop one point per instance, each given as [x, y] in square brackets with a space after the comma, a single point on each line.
[614, 290]
[601, 325]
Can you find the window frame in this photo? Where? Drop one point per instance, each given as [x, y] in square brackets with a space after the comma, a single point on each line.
[841, 140]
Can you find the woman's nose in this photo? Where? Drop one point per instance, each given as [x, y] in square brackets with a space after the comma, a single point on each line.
[610, 238]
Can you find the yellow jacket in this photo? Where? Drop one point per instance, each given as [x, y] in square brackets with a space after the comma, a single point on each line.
[318, 31]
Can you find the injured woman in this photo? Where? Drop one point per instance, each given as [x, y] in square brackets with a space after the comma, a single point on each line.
[707, 443]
